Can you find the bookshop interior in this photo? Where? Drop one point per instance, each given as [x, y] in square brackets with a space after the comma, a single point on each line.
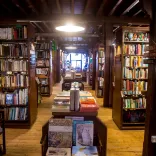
[77, 77]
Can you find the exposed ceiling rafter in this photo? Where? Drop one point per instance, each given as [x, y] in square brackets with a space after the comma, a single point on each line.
[72, 6]
[59, 6]
[86, 6]
[31, 6]
[37, 25]
[137, 12]
[16, 2]
[130, 7]
[115, 7]
[45, 24]
[101, 7]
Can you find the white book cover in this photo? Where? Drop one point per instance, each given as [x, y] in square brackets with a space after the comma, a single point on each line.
[84, 134]
[60, 108]
[58, 151]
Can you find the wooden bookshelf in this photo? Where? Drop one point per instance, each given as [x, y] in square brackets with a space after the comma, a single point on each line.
[131, 78]
[90, 70]
[17, 76]
[43, 51]
[100, 63]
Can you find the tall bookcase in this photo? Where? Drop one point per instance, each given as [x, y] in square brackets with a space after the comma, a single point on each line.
[131, 76]
[18, 91]
[43, 51]
[100, 64]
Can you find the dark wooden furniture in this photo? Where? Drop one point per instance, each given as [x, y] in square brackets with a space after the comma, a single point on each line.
[29, 56]
[100, 137]
[122, 115]
[100, 64]
[44, 62]
[2, 133]
[67, 85]
[90, 70]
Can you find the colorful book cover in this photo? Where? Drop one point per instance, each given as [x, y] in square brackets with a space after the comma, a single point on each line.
[84, 151]
[80, 131]
[75, 118]
[60, 133]
[58, 151]
[60, 108]
[9, 99]
[87, 100]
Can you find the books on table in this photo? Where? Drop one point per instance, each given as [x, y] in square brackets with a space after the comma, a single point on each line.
[60, 108]
[84, 151]
[58, 151]
[60, 133]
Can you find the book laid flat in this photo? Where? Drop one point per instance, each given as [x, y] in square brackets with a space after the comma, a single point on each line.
[89, 107]
[84, 151]
[60, 108]
[83, 133]
[58, 151]
[75, 118]
[60, 133]
[85, 93]
[62, 98]
[87, 100]
[64, 93]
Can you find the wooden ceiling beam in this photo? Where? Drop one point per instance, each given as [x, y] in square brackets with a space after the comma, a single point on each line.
[19, 7]
[59, 6]
[66, 34]
[137, 12]
[45, 6]
[83, 18]
[86, 6]
[37, 25]
[72, 6]
[115, 7]
[31, 6]
[101, 7]
[130, 7]
[45, 24]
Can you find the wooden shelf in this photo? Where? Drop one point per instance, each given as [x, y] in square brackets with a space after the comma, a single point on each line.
[13, 88]
[135, 123]
[5, 106]
[134, 79]
[42, 66]
[136, 42]
[13, 40]
[131, 55]
[136, 67]
[134, 109]
[16, 58]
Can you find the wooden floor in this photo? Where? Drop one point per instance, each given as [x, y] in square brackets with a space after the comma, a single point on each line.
[26, 142]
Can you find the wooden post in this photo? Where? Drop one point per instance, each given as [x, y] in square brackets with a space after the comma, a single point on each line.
[94, 69]
[108, 37]
[149, 148]
[58, 67]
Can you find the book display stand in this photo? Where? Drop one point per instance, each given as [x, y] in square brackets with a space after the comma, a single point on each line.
[18, 90]
[44, 66]
[131, 76]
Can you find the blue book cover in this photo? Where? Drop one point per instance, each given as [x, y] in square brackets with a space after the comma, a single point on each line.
[9, 99]
[84, 151]
[75, 122]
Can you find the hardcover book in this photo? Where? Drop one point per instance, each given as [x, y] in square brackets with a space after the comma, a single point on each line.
[58, 151]
[9, 99]
[84, 151]
[83, 133]
[60, 108]
[60, 133]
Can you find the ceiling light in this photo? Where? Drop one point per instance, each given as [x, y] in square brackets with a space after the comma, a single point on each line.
[70, 28]
[70, 48]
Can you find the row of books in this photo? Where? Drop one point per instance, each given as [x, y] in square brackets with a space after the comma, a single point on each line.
[136, 36]
[13, 65]
[136, 116]
[134, 61]
[16, 32]
[101, 73]
[42, 54]
[43, 71]
[100, 92]
[134, 49]
[18, 97]
[134, 103]
[101, 60]
[16, 113]
[42, 63]
[17, 80]
[134, 85]
[101, 81]
[44, 89]
[42, 46]
[131, 93]
[101, 52]
[101, 67]
[135, 73]
[73, 133]
[14, 50]
[44, 81]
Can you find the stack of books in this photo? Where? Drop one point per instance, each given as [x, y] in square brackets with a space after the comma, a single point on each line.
[71, 137]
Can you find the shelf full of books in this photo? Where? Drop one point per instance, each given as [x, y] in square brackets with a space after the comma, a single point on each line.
[100, 65]
[44, 66]
[16, 81]
[131, 79]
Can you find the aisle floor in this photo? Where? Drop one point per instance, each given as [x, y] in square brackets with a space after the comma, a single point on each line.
[26, 142]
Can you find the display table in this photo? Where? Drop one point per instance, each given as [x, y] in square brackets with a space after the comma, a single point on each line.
[73, 80]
